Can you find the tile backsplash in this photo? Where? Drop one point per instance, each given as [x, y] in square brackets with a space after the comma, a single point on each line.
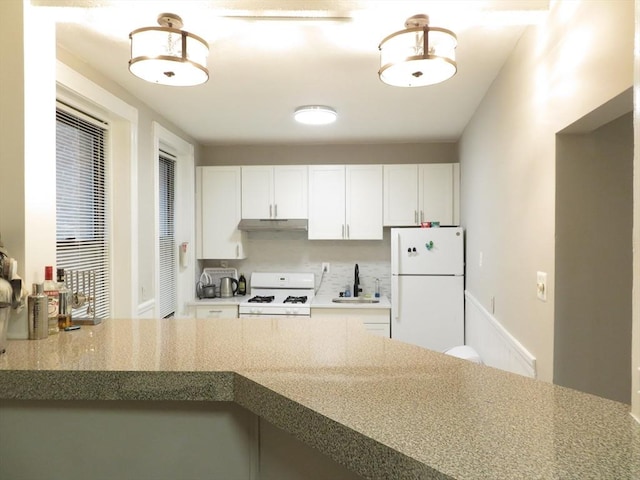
[291, 251]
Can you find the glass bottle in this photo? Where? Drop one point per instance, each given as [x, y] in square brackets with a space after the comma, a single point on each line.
[52, 293]
[64, 301]
[242, 285]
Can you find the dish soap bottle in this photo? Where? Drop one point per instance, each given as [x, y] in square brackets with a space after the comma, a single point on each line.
[242, 285]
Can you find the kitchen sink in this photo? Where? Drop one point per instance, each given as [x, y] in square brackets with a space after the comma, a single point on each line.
[355, 300]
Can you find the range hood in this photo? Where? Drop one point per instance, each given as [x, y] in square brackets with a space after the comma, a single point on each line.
[253, 225]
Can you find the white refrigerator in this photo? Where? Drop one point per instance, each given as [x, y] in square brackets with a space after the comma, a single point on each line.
[427, 286]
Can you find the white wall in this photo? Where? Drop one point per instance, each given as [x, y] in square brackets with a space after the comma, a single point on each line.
[27, 159]
[559, 71]
[434, 152]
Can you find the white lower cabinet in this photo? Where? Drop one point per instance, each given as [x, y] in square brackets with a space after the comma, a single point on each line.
[376, 321]
[215, 311]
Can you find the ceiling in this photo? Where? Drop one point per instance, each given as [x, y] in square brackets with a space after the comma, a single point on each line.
[268, 57]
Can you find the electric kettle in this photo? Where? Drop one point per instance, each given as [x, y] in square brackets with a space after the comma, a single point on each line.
[228, 287]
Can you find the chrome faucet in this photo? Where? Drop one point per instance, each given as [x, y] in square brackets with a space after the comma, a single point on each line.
[356, 281]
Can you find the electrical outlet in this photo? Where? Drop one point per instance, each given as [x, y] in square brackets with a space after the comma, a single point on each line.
[326, 267]
[541, 286]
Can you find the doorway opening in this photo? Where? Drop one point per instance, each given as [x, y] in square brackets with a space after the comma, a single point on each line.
[593, 252]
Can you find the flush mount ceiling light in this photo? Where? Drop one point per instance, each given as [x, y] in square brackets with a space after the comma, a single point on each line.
[167, 55]
[419, 55]
[315, 115]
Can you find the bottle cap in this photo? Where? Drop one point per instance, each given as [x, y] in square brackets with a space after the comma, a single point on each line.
[38, 288]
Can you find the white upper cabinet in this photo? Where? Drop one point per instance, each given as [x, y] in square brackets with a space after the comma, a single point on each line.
[363, 214]
[400, 195]
[274, 192]
[421, 193]
[345, 202]
[218, 213]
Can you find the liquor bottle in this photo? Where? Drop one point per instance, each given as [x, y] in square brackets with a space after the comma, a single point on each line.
[52, 293]
[64, 301]
[242, 285]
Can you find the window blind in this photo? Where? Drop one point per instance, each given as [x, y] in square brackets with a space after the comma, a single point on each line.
[82, 216]
[167, 290]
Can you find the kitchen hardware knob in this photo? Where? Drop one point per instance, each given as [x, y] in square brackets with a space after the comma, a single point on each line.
[414, 249]
[429, 245]
[409, 250]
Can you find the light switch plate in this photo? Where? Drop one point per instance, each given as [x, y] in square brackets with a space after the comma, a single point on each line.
[541, 286]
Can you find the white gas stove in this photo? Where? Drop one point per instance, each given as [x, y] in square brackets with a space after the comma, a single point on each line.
[279, 294]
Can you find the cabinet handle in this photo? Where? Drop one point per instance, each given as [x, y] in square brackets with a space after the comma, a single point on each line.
[270, 211]
[275, 210]
[237, 251]
[343, 230]
[415, 217]
[215, 311]
[348, 236]
[421, 216]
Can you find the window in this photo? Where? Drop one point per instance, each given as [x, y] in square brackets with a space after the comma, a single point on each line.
[82, 217]
[167, 260]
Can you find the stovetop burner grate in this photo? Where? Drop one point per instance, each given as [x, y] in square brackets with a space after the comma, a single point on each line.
[292, 299]
[262, 299]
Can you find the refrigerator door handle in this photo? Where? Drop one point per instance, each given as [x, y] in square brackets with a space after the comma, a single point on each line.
[395, 293]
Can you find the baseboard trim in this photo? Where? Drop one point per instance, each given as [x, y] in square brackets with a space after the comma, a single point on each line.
[146, 309]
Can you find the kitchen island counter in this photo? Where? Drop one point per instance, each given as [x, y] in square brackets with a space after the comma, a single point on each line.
[380, 407]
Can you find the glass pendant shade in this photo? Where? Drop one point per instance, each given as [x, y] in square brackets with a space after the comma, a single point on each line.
[167, 55]
[418, 56]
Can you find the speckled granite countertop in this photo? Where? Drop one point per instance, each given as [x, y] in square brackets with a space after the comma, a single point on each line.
[382, 408]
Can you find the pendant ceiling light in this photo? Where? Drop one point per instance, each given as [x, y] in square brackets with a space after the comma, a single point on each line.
[315, 115]
[419, 55]
[167, 55]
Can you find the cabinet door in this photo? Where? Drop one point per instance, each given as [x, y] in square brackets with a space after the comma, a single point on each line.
[436, 193]
[364, 202]
[257, 192]
[290, 191]
[378, 329]
[326, 202]
[218, 213]
[400, 195]
[217, 311]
